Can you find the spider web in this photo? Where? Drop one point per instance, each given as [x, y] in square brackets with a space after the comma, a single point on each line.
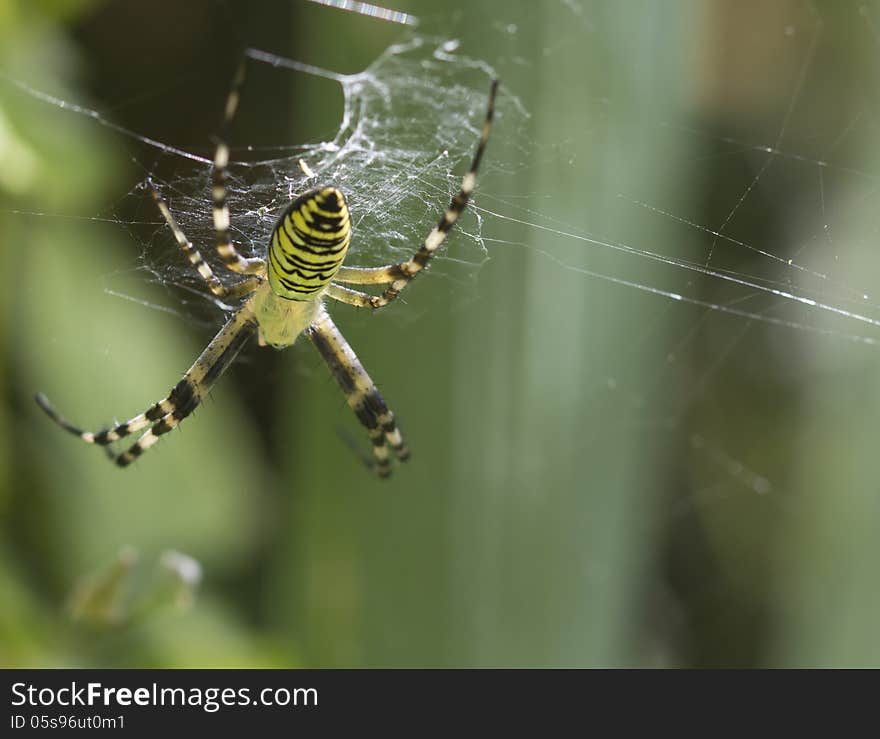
[409, 127]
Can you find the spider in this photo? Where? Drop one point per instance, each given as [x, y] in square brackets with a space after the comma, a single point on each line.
[282, 296]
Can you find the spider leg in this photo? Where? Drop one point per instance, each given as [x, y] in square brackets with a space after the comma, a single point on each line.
[371, 275]
[360, 392]
[225, 248]
[165, 415]
[398, 276]
[194, 256]
[346, 295]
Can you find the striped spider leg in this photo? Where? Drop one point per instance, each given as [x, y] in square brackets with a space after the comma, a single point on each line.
[220, 211]
[360, 392]
[398, 276]
[194, 256]
[184, 398]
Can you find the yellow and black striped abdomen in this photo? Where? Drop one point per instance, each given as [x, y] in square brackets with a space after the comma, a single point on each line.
[309, 243]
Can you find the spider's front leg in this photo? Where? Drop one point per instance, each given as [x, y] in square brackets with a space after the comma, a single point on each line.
[360, 391]
[225, 248]
[194, 256]
[398, 276]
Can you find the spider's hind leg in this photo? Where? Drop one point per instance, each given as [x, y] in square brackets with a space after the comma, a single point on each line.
[183, 399]
[361, 393]
[108, 435]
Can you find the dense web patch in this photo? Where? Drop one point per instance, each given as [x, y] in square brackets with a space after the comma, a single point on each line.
[407, 134]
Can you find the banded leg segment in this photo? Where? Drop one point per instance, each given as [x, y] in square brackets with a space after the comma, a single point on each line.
[180, 403]
[225, 248]
[194, 256]
[398, 276]
[346, 295]
[361, 393]
[371, 275]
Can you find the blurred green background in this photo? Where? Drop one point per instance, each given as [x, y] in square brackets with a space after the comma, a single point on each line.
[603, 474]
